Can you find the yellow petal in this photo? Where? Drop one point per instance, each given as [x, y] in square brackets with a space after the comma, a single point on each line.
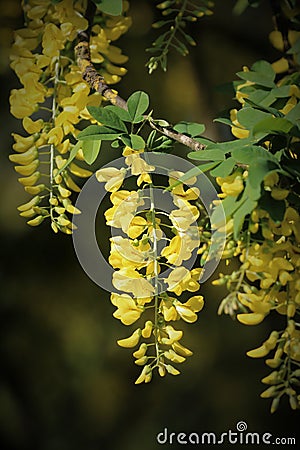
[251, 318]
[132, 340]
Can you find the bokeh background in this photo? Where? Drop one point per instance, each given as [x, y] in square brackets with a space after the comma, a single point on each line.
[64, 383]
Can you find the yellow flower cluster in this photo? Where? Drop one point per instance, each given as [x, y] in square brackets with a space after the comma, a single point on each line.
[139, 262]
[267, 281]
[53, 100]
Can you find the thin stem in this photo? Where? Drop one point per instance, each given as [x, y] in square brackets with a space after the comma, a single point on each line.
[52, 148]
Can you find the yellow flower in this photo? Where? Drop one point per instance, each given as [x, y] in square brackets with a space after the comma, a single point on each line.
[128, 311]
[136, 227]
[195, 303]
[173, 335]
[251, 318]
[176, 277]
[113, 177]
[55, 136]
[122, 213]
[237, 129]
[292, 346]
[281, 65]
[147, 330]
[32, 126]
[126, 251]
[137, 164]
[53, 40]
[258, 303]
[129, 280]
[144, 178]
[179, 249]
[183, 217]
[132, 340]
[20, 104]
[232, 185]
[185, 312]
[168, 309]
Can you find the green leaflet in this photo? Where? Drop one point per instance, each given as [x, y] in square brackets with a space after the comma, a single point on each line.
[112, 7]
[248, 116]
[294, 115]
[192, 129]
[239, 216]
[137, 104]
[262, 99]
[272, 125]
[90, 150]
[98, 132]
[257, 172]
[249, 154]
[120, 112]
[107, 117]
[133, 141]
[224, 168]
[208, 155]
[261, 73]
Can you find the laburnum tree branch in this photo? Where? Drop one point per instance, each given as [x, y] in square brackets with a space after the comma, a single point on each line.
[97, 82]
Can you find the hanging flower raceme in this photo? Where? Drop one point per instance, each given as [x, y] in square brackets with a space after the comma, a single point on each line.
[52, 102]
[267, 239]
[149, 264]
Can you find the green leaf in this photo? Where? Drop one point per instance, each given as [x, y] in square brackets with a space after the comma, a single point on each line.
[112, 7]
[193, 129]
[240, 215]
[229, 146]
[262, 100]
[137, 104]
[120, 112]
[276, 208]
[294, 115]
[72, 155]
[252, 100]
[207, 155]
[207, 166]
[223, 120]
[90, 150]
[98, 132]
[224, 169]
[227, 206]
[115, 144]
[107, 117]
[133, 141]
[248, 155]
[262, 74]
[248, 116]
[281, 91]
[272, 125]
[258, 170]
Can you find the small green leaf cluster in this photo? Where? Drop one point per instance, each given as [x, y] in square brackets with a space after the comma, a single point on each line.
[118, 125]
[177, 15]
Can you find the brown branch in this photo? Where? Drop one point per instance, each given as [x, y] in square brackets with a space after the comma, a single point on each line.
[97, 82]
[179, 137]
[92, 77]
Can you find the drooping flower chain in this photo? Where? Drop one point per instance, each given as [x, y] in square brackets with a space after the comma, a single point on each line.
[139, 262]
[268, 278]
[52, 102]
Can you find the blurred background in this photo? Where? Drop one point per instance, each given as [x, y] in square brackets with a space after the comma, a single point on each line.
[64, 383]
